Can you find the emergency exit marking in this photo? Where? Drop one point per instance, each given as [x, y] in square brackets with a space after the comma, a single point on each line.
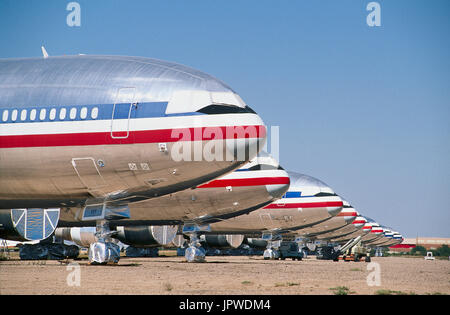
[145, 166]
[134, 166]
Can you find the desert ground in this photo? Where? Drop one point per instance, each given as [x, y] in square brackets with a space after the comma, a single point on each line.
[222, 275]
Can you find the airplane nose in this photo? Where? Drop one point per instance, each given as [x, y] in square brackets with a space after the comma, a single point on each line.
[246, 138]
[376, 229]
[348, 214]
[367, 228]
[335, 206]
[359, 222]
[280, 186]
[334, 210]
[350, 217]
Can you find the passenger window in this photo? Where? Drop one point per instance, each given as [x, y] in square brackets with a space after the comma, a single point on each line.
[5, 115]
[83, 113]
[14, 115]
[94, 113]
[73, 113]
[52, 114]
[33, 115]
[23, 115]
[62, 114]
[42, 114]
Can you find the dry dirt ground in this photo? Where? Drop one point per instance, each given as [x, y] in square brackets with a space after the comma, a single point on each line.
[224, 276]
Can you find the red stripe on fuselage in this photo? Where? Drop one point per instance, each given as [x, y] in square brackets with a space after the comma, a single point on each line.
[347, 214]
[259, 181]
[144, 136]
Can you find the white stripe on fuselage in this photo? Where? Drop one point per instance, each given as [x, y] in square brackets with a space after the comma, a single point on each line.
[307, 199]
[254, 174]
[136, 124]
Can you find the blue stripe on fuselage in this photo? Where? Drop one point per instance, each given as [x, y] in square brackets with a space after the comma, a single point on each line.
[293, 194]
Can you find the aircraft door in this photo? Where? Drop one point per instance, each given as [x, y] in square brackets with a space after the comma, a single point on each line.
[122, 111]
[88, 173]
[267, 221]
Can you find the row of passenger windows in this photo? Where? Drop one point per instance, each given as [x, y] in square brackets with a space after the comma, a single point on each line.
[41, 114]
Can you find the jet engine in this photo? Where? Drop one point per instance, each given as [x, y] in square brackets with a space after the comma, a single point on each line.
[137, 236]
[82, 236]
[146, 236]
[258, 243]
[32, 224]
[222, 241]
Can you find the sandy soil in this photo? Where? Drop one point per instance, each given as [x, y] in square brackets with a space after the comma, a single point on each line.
[224, 275]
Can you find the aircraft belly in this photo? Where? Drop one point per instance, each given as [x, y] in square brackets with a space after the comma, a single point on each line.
[194, 204]
[348, 237]
[64, 174]
[371, 237]
[268, 219]
[348, 229]
[331, 224]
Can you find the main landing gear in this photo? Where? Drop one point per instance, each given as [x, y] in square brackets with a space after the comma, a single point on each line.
[194, 252]
[104, 250]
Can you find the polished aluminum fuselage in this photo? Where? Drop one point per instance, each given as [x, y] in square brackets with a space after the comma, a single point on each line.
[344, 218]
[376, 233]
[344, 238]
[234, 194]
[273, 219]
[300, 207]
[350, 229]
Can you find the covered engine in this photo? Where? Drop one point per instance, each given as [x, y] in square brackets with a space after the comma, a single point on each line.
[146, 236]
[82, 236]
[222, 241]
[258, 243]
[137, 236]
[33, 224]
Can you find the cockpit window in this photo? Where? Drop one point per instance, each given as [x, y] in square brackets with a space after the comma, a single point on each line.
[324, 194]
[225, 109]
[263, 167]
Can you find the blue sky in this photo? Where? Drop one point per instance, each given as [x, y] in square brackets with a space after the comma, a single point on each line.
[365, 109]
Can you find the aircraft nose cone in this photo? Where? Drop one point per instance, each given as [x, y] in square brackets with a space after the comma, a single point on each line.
[280, 186]
[367, 228]
[359, 222]
[350, 217]
[334, 211]
[348, 214]
[335, 206]
[376, 230]
[246, 138]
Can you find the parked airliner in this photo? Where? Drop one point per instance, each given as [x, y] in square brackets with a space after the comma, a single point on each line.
[364, 230]
[92, 135]
[307, 202]
[347, 231]
[256, 184]
[345, 217]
